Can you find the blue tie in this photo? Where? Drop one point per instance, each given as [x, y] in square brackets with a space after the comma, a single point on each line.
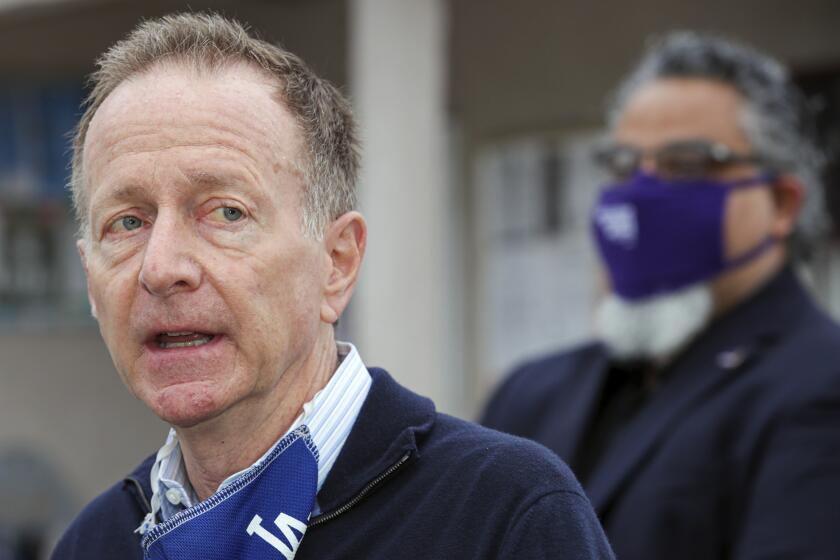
[260, 516]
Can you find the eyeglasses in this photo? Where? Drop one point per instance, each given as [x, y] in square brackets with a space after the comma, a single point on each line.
[685, 159]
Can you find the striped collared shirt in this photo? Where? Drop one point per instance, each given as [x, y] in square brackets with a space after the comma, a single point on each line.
[330, 416]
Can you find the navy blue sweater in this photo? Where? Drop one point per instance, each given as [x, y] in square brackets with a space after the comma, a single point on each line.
[409, 483]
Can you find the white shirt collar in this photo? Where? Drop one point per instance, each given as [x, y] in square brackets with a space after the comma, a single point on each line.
[330, 416]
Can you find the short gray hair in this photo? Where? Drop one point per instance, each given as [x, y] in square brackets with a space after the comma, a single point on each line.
[777, 119]
[210, 41]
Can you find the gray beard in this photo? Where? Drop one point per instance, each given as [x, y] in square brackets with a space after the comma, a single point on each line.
[656, 328]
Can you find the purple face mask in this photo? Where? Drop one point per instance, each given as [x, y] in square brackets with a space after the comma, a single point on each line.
[657, 236]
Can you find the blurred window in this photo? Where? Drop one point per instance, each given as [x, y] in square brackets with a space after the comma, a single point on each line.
[823, 86]
[41, 280]
[535, 271]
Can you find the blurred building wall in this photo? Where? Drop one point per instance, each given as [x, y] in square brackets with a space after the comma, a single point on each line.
[62, 402]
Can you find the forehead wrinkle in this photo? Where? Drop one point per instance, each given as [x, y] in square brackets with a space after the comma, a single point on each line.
[137, 101]
[113, 153]
[118, 135]
[128, 138]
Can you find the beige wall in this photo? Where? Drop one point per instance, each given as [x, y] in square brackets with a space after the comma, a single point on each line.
[62, 402]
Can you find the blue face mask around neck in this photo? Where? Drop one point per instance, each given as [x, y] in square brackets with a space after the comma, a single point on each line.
[261, 516]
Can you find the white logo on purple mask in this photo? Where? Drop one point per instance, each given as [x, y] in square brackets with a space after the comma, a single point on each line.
[618, 224]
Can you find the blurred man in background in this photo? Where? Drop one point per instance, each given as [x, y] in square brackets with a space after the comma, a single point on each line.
[705, 421]
[214, 177]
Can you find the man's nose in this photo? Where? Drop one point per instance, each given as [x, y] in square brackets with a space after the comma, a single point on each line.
[169, 264]
[647, 164]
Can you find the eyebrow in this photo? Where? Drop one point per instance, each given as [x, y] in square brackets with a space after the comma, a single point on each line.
[123, 193]
[208, 179]
[196, 177]
[234, 182]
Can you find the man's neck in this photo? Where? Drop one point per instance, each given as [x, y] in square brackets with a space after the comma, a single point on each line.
[737, 285]
[235, 440]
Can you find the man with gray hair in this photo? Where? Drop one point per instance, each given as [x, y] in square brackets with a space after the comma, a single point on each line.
[704, 422]
[214, 180]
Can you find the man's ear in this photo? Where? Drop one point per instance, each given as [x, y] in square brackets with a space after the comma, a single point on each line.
[80, 245]
[789, 196]
[344, 242]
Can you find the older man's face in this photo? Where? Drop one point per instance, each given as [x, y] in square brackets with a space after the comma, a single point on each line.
[205, 288]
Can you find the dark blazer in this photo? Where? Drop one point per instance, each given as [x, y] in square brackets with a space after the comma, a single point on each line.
[737, 455]
[409, 483]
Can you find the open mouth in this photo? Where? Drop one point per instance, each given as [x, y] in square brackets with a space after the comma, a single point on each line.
[185, 339]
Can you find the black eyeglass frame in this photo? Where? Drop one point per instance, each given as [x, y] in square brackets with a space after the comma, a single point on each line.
[710, 157]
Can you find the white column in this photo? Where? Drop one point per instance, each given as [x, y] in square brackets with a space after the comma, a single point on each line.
[401, 315]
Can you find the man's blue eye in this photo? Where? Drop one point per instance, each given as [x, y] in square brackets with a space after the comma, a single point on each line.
[231, 214]
[131, 222]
